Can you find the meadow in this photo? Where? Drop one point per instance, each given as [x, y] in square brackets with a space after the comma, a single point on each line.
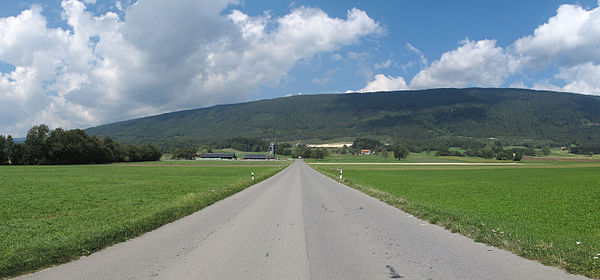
[413, 158]
[547, 212]
[54, 214]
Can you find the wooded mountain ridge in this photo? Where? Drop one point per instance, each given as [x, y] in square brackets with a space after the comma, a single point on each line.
[479, 113]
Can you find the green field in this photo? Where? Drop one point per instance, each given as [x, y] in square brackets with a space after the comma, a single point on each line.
[550, 213]
[412, 158]
[54, 214]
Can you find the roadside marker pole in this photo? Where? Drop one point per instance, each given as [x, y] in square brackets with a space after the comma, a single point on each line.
[252, 176]
[340, 174]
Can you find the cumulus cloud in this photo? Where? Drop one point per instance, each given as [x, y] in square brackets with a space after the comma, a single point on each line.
[573, 35]
[385, 83]
[480, 63]
[160, 56]
[582, 78]
[569, 41]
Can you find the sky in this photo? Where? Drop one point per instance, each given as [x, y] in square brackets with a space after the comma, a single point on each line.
[82, 63]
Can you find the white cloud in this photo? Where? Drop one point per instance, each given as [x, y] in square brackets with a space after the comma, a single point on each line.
[385, 83]
[480, 63]
[321, 81]
[336, 57]
[582, 78]
[545, 85]
[417, 52]
[358, 55]
[162, 56]
[569, 42]
[570, 37]
[385, 64]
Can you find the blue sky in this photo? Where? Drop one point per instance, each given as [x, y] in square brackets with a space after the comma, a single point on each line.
[81, 63]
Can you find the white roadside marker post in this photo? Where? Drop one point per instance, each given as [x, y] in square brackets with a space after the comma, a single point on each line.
[252, 176]
[340, 174]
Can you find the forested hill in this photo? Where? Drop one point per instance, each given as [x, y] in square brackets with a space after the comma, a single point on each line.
[424, 114]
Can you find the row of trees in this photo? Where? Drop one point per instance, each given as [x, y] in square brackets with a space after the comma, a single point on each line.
[307, 152]
[585, 149]
[59, 146]
[243, 144]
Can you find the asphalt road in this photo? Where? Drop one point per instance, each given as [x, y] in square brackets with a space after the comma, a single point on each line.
[300, 224]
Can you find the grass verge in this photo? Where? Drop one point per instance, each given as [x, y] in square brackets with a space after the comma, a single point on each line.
[546, 214]
[55, 214]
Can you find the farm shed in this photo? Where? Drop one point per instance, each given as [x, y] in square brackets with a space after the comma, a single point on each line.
[259, 157]
[218, 156]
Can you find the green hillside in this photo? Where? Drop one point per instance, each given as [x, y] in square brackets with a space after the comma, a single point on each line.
[425, 114]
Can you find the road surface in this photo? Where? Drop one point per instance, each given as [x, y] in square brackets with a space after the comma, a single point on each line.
[300, 224]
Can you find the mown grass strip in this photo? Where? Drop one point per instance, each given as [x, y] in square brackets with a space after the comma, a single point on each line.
[547, 214]
[55, 214]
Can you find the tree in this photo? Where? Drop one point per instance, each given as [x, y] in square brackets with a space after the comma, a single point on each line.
[150, 153]
[400, 152]
[36, 146]
[301, 151]
[10, 146]
[319, 153]
[545, 151]
[344, 150]
[72, 147]
[17, 155]
[365, 143]
[384, 154]
[110, 151]
[517, 156]
[504, 155]
[489, 151]
[443, 151]
[184, 153]
[4, 153]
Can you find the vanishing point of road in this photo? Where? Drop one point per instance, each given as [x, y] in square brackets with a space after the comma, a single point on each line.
[299, 224]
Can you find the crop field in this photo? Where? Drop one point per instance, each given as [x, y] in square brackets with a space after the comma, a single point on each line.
[546, 212]
[412, 158]
[54, 214]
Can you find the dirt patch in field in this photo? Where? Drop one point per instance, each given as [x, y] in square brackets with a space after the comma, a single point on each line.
[195, 165]
[415, 163]
[562, 159]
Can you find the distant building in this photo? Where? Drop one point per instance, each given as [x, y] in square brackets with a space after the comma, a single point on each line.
[563, 148]
[216, 156]
[259, 157]
[365, 152]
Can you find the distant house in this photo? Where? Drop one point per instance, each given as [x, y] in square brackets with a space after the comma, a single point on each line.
[365, 152]
[259, 157]
[216, 156]
[563, 148]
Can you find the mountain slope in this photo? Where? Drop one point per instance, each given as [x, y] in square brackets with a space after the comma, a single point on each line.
[474, 112]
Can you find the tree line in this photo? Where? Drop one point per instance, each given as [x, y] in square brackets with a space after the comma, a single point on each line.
[585, 149]
[59, 146]
[242, 144]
